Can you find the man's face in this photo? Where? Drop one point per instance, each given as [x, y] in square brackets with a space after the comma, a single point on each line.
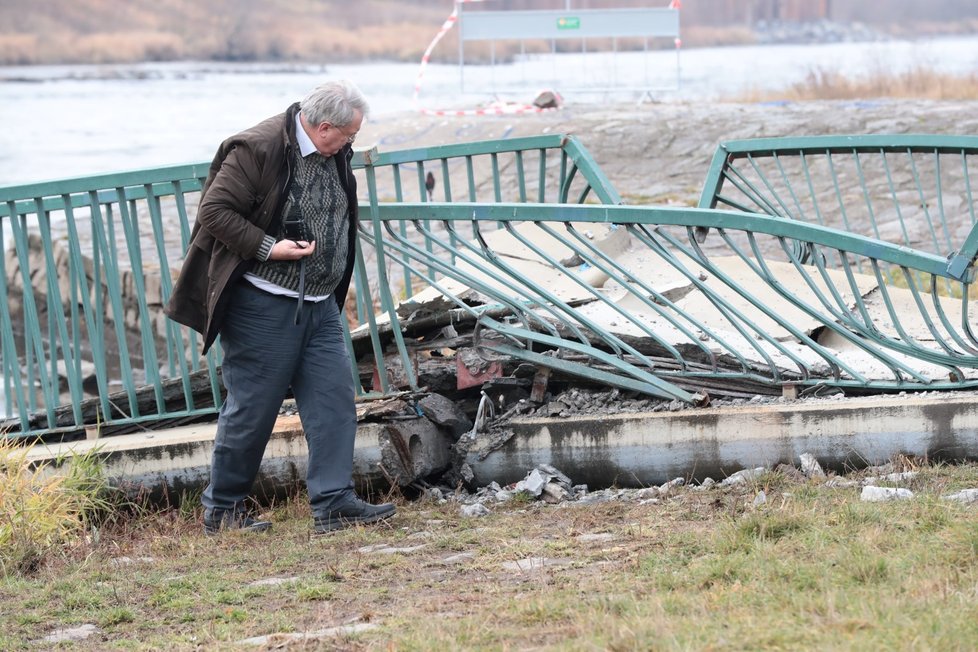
[331, 138]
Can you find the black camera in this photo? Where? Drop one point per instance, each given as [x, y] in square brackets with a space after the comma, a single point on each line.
[296, 230]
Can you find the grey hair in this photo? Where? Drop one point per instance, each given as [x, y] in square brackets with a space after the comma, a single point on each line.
[334, 102]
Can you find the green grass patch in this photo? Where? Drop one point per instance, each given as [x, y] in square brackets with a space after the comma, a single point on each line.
[813, 568]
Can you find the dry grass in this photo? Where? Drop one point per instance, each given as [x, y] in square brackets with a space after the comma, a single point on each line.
[813, 567]
[44, 514]
[916, 83]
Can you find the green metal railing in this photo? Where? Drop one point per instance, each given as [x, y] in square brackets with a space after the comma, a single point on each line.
[522, 250]
[88, 264]
[86, 268]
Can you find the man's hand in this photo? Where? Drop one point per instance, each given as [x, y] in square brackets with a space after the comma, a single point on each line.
[291, 249]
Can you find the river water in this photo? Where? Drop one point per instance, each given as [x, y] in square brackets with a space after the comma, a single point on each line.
[64, 121]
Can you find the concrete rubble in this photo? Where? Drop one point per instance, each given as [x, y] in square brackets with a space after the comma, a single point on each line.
[546, 484]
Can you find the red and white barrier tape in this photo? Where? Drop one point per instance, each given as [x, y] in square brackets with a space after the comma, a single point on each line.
[495, 109]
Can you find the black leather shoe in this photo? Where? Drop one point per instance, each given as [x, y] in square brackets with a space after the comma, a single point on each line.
[218, 521]
[350, 513]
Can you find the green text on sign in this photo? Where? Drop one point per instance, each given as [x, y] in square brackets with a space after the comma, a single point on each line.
[569, 22]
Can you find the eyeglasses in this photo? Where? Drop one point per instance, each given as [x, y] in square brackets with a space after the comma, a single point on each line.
[350, 138]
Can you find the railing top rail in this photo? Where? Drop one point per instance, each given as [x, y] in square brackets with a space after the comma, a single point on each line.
[854, 143]
[104, 181]
[670, 216]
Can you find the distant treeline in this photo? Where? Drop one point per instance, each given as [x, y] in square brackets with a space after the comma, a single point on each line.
[109, 31]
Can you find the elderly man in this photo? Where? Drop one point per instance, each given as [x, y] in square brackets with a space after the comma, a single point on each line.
[268, 267]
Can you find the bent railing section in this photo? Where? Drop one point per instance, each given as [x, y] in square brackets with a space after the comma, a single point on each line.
[535, 170]
[626, 296]
[913, 190]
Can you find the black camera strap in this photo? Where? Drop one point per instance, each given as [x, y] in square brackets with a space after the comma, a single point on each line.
[302, 289]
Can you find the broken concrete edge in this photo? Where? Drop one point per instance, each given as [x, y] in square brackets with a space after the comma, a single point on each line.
[638, 449]
[647, 449]
[168, 465]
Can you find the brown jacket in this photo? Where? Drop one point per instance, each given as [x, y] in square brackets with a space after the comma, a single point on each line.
[240, 202]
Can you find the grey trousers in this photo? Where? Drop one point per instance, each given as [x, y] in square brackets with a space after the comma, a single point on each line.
[265, 352]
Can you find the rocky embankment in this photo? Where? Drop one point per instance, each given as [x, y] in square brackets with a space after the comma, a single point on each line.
[660, 152]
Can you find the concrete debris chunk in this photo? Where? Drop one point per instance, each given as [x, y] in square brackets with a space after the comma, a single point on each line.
[842, 483]
[532, 484]
[666, 488]
[810, 466]
[555, 474]
[883, 494]
[386, 549]
[446, 413]
[891, 477]
[740, 477]
[273, 581]
[554, 492]
[790, 472]
[964, 496]
[595, 537]
[474, 511]
[533, 564]
[460, 558]
[282, 639]
[79, 633]
[505, 495]
[648, 493]
[547, 483]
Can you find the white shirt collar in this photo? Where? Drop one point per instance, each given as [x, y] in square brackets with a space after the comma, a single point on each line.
[302, 138]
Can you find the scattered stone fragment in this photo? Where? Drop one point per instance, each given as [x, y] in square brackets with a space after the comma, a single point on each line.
[472, 511]
[647, 493]
[460, 558]
[743, 476]
[810, 466]
[533, 564]
[666, 488]
[386, 549]
[273, 581]
[532, 484]
[504, 495]
[842, 483]
[278, 640]
[127, 561]
[555, 475]
[79, 633]
[882, 494]
[589, 537]
[444, 412]
[790, 472]
[891, 477]
[546, 482]
[965, 496]
[554, 492]
[760, 498]
[435, 494]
